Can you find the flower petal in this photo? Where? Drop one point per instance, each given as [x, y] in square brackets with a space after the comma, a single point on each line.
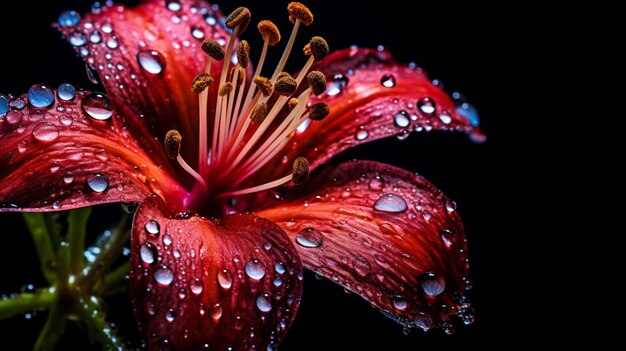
[57, 156]
[194, 282]
[147, 57]
[383, 233]
[371, 97]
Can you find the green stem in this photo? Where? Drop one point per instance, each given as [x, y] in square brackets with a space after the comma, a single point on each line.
[76, 232]
[91, 314]
[115, 281]
[38, 229]
[52, 227]
[52, 330]
[63, 263]
[26, 302]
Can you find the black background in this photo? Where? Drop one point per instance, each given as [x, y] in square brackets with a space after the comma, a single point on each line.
[509, 189]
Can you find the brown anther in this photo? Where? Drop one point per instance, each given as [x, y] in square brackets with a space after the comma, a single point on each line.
[282, 75]
[243, 53]
[269, 32]
[285, 84]
[298, 11]
[259, 112]
[319, 111]
[201, 82]
[172, 143]
[240, 78]
[293, 102]
[317, 82]
[264, 84]
[318, 47]
[214, 49]
[300, 170]
[226, 89]
[240, 17]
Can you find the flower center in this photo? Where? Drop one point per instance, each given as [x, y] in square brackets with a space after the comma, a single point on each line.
[249, 127]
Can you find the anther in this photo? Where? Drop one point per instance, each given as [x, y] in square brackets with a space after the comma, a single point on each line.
[243, 53]
[264, 84]
[285, 84]
[239, 17]
[225, 89]
[269, 32]
[259, 112]
[318, 47]
[241, 75]
[317, 82]
[319, 111]
[298, 11]
[300, 170]
[201, 82]
[293, 102]
[172, 143]
[214, 49]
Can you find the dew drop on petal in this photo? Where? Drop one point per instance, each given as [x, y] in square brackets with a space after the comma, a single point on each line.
[147, 253]
[445, 118]
[361, 134]
[197, 33]
[68, 178]
[263, 302]
[280, 268]
[216, 312]
[448, 328]
[69, 18]
[170, 315]
[361, 266]
[467, 315]
[95, 37]
[432, 283]
[399, 303]
[152, 227]
[426, 105]
[167, 240]
[278, 281]
[163, 275]
[113, 43]
[376, 184]
[151, 61]
[225, 279]
[255, 269]
[196, 286]
[45, 132]
[388, 80]
[337, 85]
[97, 106]
[391, 203]
[450, 206]
[448, 236]
[77, 38]
[401, 119]
[309, 238]
[40, 95]
[92, 74]
[469, 112]
[14, 118]
[173, 5]
[4, 105]
[97, 182]
[66, 92]
[422, 320]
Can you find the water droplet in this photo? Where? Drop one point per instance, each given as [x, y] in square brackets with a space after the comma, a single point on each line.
[95, 36]
[167, 240]
[174, 5]
[216, 312]
[66, 92]
[445, 118]
[309, 238]
[68, 178]
[147, 252]
[426, 105]
[163, 275]
[406, 331]
[255, 269]
[448, 236]
[401, 119]
[361, 266]
[467, 315]
[388, 80]
[391, 203]
[448, 328]
[77, 38]
[225, 279]
[92, 74]
[56, 205]
[469, 112]
[280, 268]
[97, 182]
[97, 106]
[432, 283]
[376, 184]
[113, 43]
[422, 320]
[40, 95]
[267, 246]
[399, 303]
[197, 33]
[468, 285]
[152, 227]
[151, 61]
[170, 315]
[450, 206]
[107, 28]
[69, 18]
[45, 132]
[4, 105]
[337, 85]
[361, 134]
[18, 103]
[196, 286]
[264, 303]
[278, 281]
[14, 117]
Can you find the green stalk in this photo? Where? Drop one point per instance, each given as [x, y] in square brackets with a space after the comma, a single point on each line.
[99, 329]
[76, 232]
[52, 330]
[40, 234]
[23, 303]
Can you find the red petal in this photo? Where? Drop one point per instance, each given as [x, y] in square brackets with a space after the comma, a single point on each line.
[384, 233]
[58, 157]
[363, 109]
[233, 283]
[156, 31]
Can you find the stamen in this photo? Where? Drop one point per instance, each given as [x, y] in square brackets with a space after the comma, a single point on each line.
[293, 102]
[259, 112]
[317, 82]
[213, 49]
[319, 111]
[298, 11]
[300, 170]
[243, 53]
[238, 72]
[318, 47]
[285, 84]
[172, 143]
[239, 17]
[264, 84]
[225, 89]
[201, 82]
[269, 32]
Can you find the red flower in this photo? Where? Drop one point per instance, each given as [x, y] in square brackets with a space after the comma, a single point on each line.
[221, 236]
